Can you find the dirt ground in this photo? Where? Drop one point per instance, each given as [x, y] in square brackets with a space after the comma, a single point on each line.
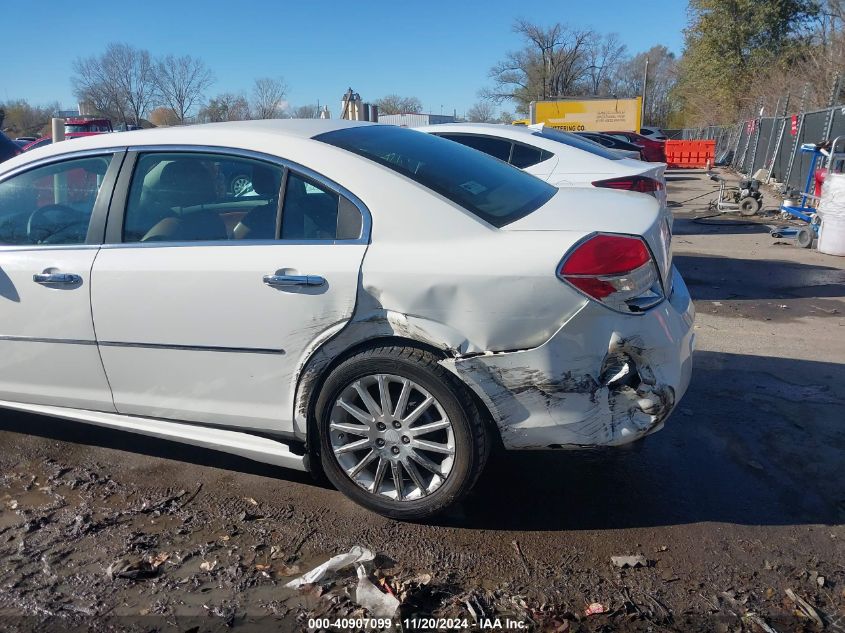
[737, 506]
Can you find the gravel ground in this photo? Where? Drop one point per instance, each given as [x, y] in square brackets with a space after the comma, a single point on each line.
[736, 507]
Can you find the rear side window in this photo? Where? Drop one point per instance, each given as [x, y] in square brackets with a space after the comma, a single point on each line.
[488, 188]
[183, 197]
[573, 140]
[495, 147]
[516, 154]
[312, 211]
[523, 156]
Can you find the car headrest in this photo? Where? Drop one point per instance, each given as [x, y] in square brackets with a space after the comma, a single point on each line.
[186, 183]
[265, 181]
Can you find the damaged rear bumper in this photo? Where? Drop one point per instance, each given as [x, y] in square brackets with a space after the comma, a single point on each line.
[604, 379]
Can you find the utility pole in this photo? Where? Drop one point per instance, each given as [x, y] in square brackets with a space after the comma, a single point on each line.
[645, 85]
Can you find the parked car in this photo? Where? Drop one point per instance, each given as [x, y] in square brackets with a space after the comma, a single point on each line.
[348, 317]
[654, 133]
[629, 150]
[8, 148]
[41, 142]
[560, 158]
[46, 140]
[653, 151]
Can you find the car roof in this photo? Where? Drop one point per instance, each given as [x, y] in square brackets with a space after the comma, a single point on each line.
[227, 134]
[495, 129]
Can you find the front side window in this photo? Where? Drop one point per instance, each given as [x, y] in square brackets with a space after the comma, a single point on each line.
[51, 204]
[489, 189]
[176, 197]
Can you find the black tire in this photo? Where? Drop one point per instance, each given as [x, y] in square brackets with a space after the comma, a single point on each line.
[749, 206]
[471, 437]
[804, 237]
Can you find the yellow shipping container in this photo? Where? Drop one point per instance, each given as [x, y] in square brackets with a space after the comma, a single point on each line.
[589, 115]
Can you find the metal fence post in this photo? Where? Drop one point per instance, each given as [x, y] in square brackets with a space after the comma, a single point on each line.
[737, 131]
[795, 145]
[770, 160]
[831, 100]
[782, 114]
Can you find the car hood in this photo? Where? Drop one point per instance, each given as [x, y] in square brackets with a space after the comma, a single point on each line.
[595, 210]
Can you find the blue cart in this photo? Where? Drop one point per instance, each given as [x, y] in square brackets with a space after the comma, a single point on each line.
[802, 205]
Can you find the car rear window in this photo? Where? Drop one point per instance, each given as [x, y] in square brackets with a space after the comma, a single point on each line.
[578, 142]
[488, 188]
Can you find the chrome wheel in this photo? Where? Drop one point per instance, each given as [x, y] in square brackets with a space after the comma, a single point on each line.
[241, 184]
[392, 437]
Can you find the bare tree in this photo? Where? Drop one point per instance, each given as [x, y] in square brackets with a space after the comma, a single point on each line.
[310, 111]
[181, 82]
[93, 83]
[226, 106]
[395, 104]
[24, 119]
[553, 63]
[120, 82]
[603, 56]
[506, 117]
[482, 112]
[163, 116]
[627, 81]
[268, 98]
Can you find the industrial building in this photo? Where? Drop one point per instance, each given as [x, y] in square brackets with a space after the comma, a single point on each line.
[415, 120]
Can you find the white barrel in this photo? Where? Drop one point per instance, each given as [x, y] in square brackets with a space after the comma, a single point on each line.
[832, 235]
[832, 213]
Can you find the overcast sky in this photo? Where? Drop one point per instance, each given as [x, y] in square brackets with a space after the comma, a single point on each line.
[437, 51]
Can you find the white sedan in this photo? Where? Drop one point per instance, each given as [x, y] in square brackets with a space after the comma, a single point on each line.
[560, 158]
[384, 305]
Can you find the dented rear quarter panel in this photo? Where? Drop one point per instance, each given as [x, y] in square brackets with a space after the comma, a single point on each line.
[535, 351]
[568, 392]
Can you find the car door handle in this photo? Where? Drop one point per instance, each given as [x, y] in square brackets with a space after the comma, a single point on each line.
[294, 280]
[56, 278]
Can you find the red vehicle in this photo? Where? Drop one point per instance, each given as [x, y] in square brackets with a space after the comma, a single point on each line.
[74, 128]
[84, 126]
[653, 151]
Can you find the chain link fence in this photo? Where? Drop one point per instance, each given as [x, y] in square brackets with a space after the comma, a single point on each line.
[771, 143]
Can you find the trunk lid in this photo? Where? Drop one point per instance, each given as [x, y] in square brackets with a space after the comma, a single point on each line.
[595, 210]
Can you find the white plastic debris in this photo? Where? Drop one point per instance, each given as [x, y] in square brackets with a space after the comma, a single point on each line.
[378, 603]
[357, 554]
[637, 560]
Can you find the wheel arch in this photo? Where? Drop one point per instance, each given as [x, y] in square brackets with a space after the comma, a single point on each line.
[314, 374]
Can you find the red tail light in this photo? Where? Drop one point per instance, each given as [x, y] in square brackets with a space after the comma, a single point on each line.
[641, 184]
[616, 270]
